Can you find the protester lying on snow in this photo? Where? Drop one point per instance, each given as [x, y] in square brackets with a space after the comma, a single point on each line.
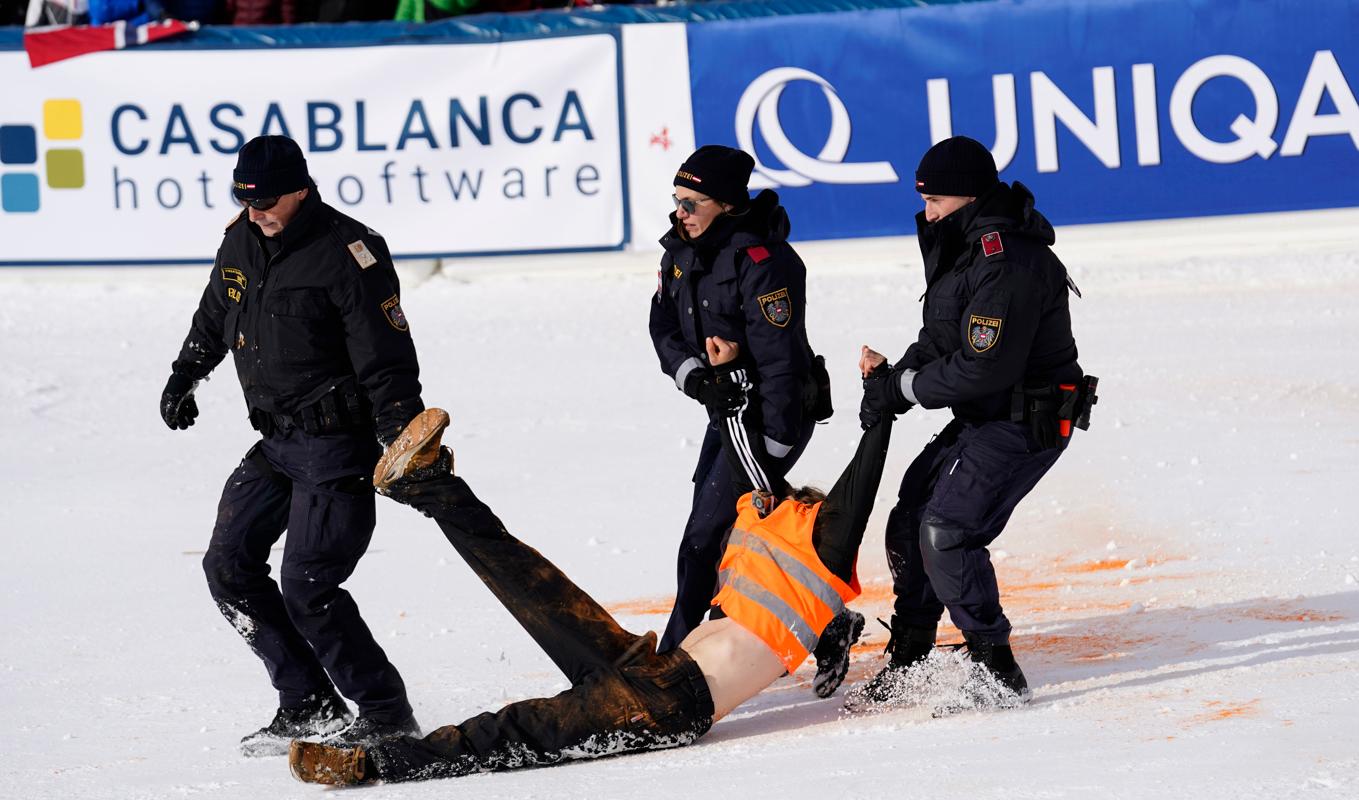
[788, 568]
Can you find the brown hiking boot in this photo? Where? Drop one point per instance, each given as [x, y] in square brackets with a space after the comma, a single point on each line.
[416, 448]
[318, 763]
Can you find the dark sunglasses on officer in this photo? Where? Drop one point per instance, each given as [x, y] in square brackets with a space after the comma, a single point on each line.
[689, 204]
[258, 203]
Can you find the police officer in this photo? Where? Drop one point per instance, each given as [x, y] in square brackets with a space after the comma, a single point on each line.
[996, 348]
[307, 301]
[728, 271]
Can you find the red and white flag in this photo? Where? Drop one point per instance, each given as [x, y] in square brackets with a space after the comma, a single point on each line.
[46, 45]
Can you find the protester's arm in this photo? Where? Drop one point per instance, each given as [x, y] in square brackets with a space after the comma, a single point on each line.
[844, 514]
[742, 438]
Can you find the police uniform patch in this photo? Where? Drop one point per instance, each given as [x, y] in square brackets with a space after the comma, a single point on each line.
[983, 332]
[392, 308]
[777, 308]
[360, 252]
[233, 275]
[678, 273]
[991, 244]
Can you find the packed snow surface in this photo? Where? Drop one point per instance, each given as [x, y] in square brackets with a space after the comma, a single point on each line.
[1182, 584]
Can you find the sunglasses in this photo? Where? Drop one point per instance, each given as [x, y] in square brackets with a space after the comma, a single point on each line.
[688, 204]
[258, 203]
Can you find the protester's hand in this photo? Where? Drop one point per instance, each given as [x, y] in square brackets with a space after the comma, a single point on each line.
[869, 360]
[721, 351]
[177, 406]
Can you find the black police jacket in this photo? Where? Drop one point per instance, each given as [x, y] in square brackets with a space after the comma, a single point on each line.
[323, 314]
[996, 312]
[740, 280]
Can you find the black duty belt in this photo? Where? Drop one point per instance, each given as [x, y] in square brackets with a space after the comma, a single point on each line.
[337, 412]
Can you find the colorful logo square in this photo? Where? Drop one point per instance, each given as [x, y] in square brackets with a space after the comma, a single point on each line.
[61, 119]
[65, 169]
[18, 144]
[19, 193]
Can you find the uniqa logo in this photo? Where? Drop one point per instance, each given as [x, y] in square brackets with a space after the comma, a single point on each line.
[62, 121]
[760, 101]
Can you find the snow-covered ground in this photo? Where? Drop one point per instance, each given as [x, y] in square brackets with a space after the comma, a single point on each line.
[1183, 584]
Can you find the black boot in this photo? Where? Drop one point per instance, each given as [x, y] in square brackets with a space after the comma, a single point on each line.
[999, 660]
[367, 731]
[832, 651]
[318, 716]
[907, 647]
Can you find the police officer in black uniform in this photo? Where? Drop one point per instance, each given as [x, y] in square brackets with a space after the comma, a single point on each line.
[996, 348]
[729, 271]
[307, 301]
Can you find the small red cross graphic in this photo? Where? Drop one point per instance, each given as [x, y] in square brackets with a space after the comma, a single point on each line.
[662, 139]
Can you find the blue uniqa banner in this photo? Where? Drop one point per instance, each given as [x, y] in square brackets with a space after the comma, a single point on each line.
[1107, 109]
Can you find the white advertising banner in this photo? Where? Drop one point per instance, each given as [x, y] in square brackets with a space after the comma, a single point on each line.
[126, 157]
[660, 123]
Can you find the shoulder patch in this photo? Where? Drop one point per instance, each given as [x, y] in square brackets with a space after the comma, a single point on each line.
[777, 308]
[983, 332]
[233, 275]
[759, 253]
[991, 244]
[391, 307]
[361, 254]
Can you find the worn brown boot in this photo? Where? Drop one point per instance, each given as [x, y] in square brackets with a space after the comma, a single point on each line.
[416, 448]
[335, 766]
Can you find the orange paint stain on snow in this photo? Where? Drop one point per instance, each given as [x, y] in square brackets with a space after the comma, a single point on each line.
[1107, 645]
[644, 605]
[1098, 566]
[1283, 615]
[1219, 710]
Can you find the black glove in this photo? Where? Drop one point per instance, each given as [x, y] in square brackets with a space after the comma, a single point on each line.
[882, 395]
[177, 406]
[717, 389]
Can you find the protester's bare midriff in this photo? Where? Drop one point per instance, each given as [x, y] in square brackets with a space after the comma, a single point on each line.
[736, 663]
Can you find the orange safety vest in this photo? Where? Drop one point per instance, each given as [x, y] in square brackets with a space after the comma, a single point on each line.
[773, 584]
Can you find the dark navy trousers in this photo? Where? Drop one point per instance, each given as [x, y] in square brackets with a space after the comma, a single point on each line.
[963, 486]
[714, 511]
[308, 632]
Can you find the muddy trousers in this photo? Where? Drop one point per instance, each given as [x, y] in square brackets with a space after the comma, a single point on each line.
[955, 499]
[623, 696]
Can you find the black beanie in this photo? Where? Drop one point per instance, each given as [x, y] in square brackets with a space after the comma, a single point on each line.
[721, 173]
[269, 166]
[956, 167]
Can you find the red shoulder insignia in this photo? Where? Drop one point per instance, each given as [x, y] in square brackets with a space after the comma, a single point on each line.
[759, 253]
[991, 244]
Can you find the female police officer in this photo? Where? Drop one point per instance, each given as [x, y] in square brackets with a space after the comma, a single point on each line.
[729, 271]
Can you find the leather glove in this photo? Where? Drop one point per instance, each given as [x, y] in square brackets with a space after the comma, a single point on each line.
[717, 390]
[883, 395]
[868, 417]
[177, 406]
